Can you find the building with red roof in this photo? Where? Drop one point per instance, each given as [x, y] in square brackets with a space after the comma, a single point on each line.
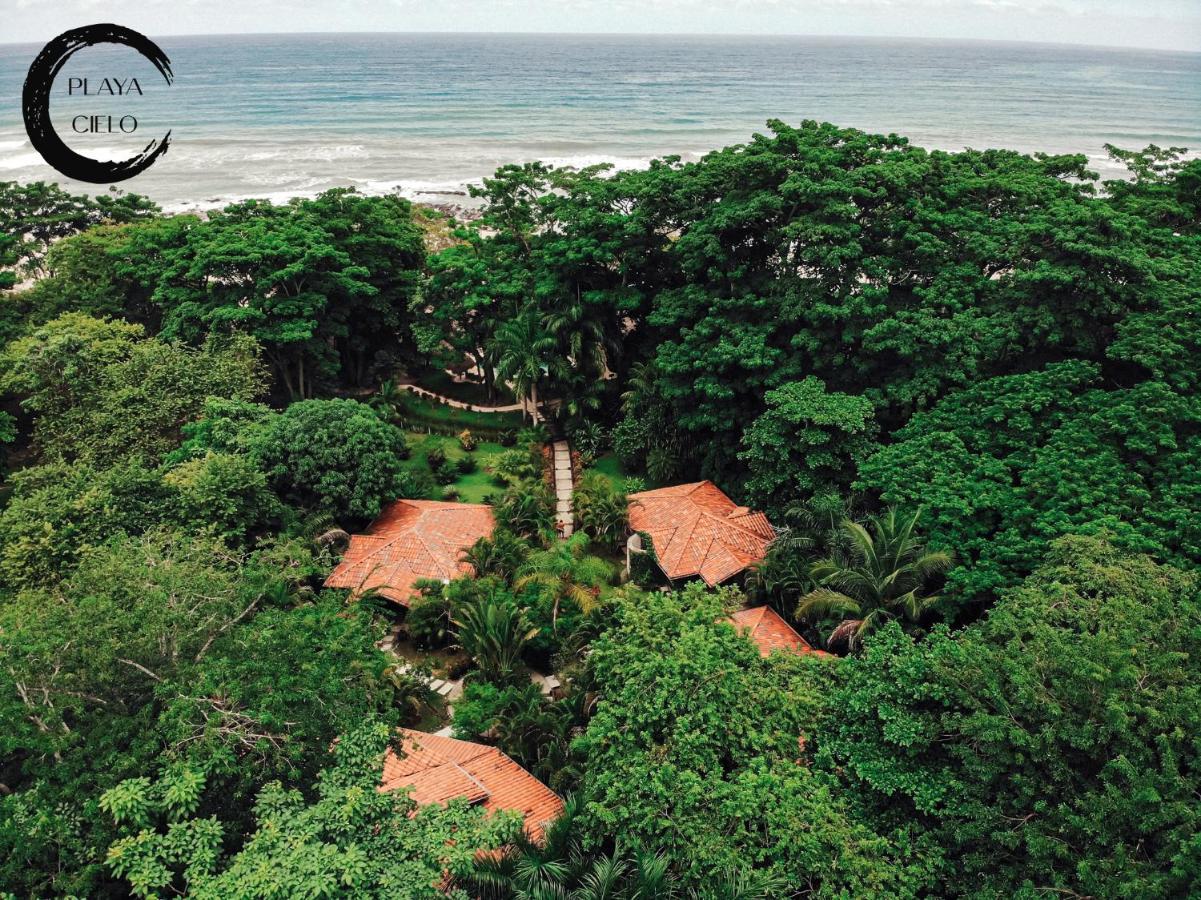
[411, 540]
[697, 531]
[770, 632]
[438, 769]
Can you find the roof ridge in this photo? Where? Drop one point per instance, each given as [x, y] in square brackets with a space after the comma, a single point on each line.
[475, 781]
[734, 523]
[758, 620]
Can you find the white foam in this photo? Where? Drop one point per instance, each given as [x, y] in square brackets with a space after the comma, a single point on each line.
[20, 161]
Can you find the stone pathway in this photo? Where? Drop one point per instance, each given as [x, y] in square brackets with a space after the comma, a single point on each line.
[459, 404]
[475, 407]
[563, 488]
[451, 690]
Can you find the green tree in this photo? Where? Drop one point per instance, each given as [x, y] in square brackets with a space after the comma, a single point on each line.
[500, 555]
[494, 632]
[57, 513]
[524, 356]
[109, 271]
[527, 509]
[101, 393]
[462, 304]
[270, 272]
[37, 214]
[350, 839]
[883, 575]
[699, 748]
[558, 866]
[1011, 463]
[379, 237]
[226, 494]
[568, 574]
[1049, 747]
[807, 441]
[332, 456]
[603, 510]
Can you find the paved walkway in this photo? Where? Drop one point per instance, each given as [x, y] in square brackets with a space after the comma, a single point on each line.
[459, 404]
[451, 690]
[563, 488]
[544, 405]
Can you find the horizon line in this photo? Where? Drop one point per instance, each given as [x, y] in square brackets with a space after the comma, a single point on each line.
[673, 34]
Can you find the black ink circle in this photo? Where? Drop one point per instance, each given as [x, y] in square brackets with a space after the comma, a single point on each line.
[35, 104]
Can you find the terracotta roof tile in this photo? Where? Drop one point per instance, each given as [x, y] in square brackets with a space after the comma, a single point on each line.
[441, 768]
[767, 628]
[697, 530]
[411, 540]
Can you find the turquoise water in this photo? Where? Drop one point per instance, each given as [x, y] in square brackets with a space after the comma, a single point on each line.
[278, 115]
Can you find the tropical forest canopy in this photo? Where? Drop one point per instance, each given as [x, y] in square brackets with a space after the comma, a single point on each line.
[963, 386]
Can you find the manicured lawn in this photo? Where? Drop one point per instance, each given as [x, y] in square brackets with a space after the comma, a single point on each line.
[473, 487]
[610, 466]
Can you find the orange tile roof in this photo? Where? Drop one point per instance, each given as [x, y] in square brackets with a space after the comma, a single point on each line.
[697, 530]
[441, 768]
[767, 628]
[411, 540]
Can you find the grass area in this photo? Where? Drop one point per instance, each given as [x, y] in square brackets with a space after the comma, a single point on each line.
[440, 382]
[610, 467]
[473, 487]
[417, 409]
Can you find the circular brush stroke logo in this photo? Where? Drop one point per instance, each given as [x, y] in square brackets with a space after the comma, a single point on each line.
[35, 104]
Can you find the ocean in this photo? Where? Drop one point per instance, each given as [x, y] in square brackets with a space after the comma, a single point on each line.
[281, 115]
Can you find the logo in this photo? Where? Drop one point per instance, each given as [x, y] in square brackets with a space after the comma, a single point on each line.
[35, 104]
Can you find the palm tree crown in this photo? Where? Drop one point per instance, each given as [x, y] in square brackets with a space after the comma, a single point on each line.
[568, 573]
[882, 575]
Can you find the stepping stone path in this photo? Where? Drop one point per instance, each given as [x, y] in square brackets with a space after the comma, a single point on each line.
[563, 488]
[451, 690]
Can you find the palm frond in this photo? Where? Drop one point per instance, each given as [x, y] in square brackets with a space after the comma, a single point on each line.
[823, 601]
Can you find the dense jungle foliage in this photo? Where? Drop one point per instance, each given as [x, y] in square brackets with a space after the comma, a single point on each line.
[963, 386]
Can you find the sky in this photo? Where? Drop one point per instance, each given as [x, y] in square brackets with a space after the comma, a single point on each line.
[1161, 24]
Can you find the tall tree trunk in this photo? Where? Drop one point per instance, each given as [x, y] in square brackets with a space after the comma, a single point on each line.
[281, 367]
[534, 400]
[300, 376]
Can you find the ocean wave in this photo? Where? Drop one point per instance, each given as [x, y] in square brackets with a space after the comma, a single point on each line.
[317, 152]
[20, 161]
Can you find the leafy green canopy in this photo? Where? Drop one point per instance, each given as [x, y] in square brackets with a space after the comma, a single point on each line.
[351, 840]
[1051, 747]
[1014, 462]
[165, 649]
[697, 748]
[323, 285]
[102, 393]
[33, 216]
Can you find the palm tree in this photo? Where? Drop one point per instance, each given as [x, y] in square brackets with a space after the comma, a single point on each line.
[558, 867]
[581, 338]
[494, 634]
[603, 511]
[744, 884]
[523, 355]
[881, 576]
[568, 573]
[411, 695]
[528, 510]
[782, 574]
[386, 402]
[581, 360]
[499, 555]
